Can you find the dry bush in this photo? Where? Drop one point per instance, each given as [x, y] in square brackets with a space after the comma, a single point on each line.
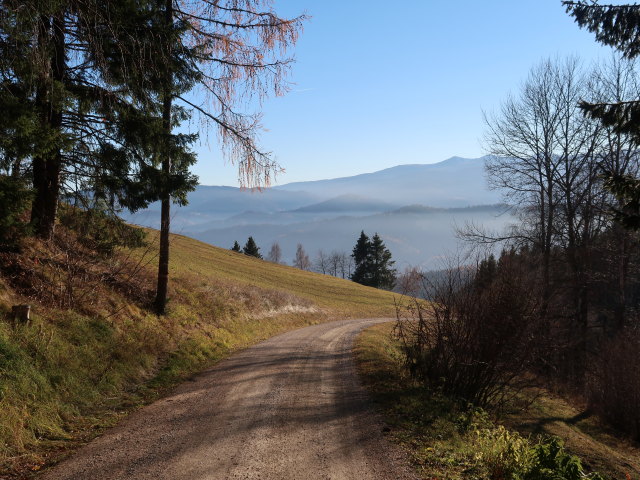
[69, 273]
[478, 336]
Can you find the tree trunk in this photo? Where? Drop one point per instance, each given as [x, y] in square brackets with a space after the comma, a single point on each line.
[46, 168]
[165, 217]
[163, 263]
[16, 163]
[165, 212]
[622, 272]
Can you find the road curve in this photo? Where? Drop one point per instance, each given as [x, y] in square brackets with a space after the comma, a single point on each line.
[289, 408]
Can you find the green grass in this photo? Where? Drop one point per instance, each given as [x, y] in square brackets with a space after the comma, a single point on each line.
[446, 440]
[71, 373]
[200, 263]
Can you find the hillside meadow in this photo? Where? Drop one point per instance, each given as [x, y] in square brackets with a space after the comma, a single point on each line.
[93, 352]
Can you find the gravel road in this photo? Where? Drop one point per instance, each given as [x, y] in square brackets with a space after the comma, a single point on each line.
[289, 408]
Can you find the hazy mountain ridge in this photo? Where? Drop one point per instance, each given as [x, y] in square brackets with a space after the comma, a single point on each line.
[456, 182]
[413, 238]
[347, 203]
[415, 208]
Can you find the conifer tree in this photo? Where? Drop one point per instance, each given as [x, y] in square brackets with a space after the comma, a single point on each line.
[486, 272]
[236, 247]
[360, 254]
[251, 248]
[382, 273]
[619, 27]
[74, 78]
[373, 264]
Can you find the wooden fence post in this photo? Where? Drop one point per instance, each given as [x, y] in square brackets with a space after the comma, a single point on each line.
[21, 314]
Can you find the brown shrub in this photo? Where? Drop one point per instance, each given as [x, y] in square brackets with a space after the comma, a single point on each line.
[478, 336]
[67, 273]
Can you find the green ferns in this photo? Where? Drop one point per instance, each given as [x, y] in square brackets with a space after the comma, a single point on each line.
[506, 455]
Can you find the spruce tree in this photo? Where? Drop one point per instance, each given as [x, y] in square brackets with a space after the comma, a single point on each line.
[373, 264]
[251, 249]
[360, 254]
[74, 78]
[382, 274]
[617, 26]
[236, 247]
[486, 272]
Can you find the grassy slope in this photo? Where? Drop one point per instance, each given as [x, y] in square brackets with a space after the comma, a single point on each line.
[429, 427]
[74, 371]
[196, 261]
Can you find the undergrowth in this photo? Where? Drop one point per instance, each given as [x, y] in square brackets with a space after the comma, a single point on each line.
[448, 439]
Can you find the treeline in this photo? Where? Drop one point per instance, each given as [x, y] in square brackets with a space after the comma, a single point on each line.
[369, 263]
[97, 99]
[559, 307]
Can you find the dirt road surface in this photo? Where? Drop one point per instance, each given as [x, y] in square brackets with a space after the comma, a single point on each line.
[289, 408]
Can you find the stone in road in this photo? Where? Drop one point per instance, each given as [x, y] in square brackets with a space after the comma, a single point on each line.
[289, 408]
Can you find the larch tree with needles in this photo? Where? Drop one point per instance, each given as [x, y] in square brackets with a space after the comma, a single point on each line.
[236, 50]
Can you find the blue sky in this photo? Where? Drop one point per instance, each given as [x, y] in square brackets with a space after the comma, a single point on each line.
[376, 86]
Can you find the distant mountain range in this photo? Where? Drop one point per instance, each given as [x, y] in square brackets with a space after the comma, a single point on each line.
[415, 209]
[456, 182]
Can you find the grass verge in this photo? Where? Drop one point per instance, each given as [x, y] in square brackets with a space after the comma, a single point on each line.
[446, 440]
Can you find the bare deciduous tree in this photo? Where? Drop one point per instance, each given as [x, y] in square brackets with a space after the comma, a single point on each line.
[545, 155]
[321, 262]
[472, 341]
[335, 260]
[410, 281]
[301, 259]
[275, 253]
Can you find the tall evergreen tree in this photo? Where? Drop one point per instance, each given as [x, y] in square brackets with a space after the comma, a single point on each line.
[236, 247]
[373, 264]
[74, 78]
[251, 248]
[382, 273]
[360, 254]
[619, 27]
